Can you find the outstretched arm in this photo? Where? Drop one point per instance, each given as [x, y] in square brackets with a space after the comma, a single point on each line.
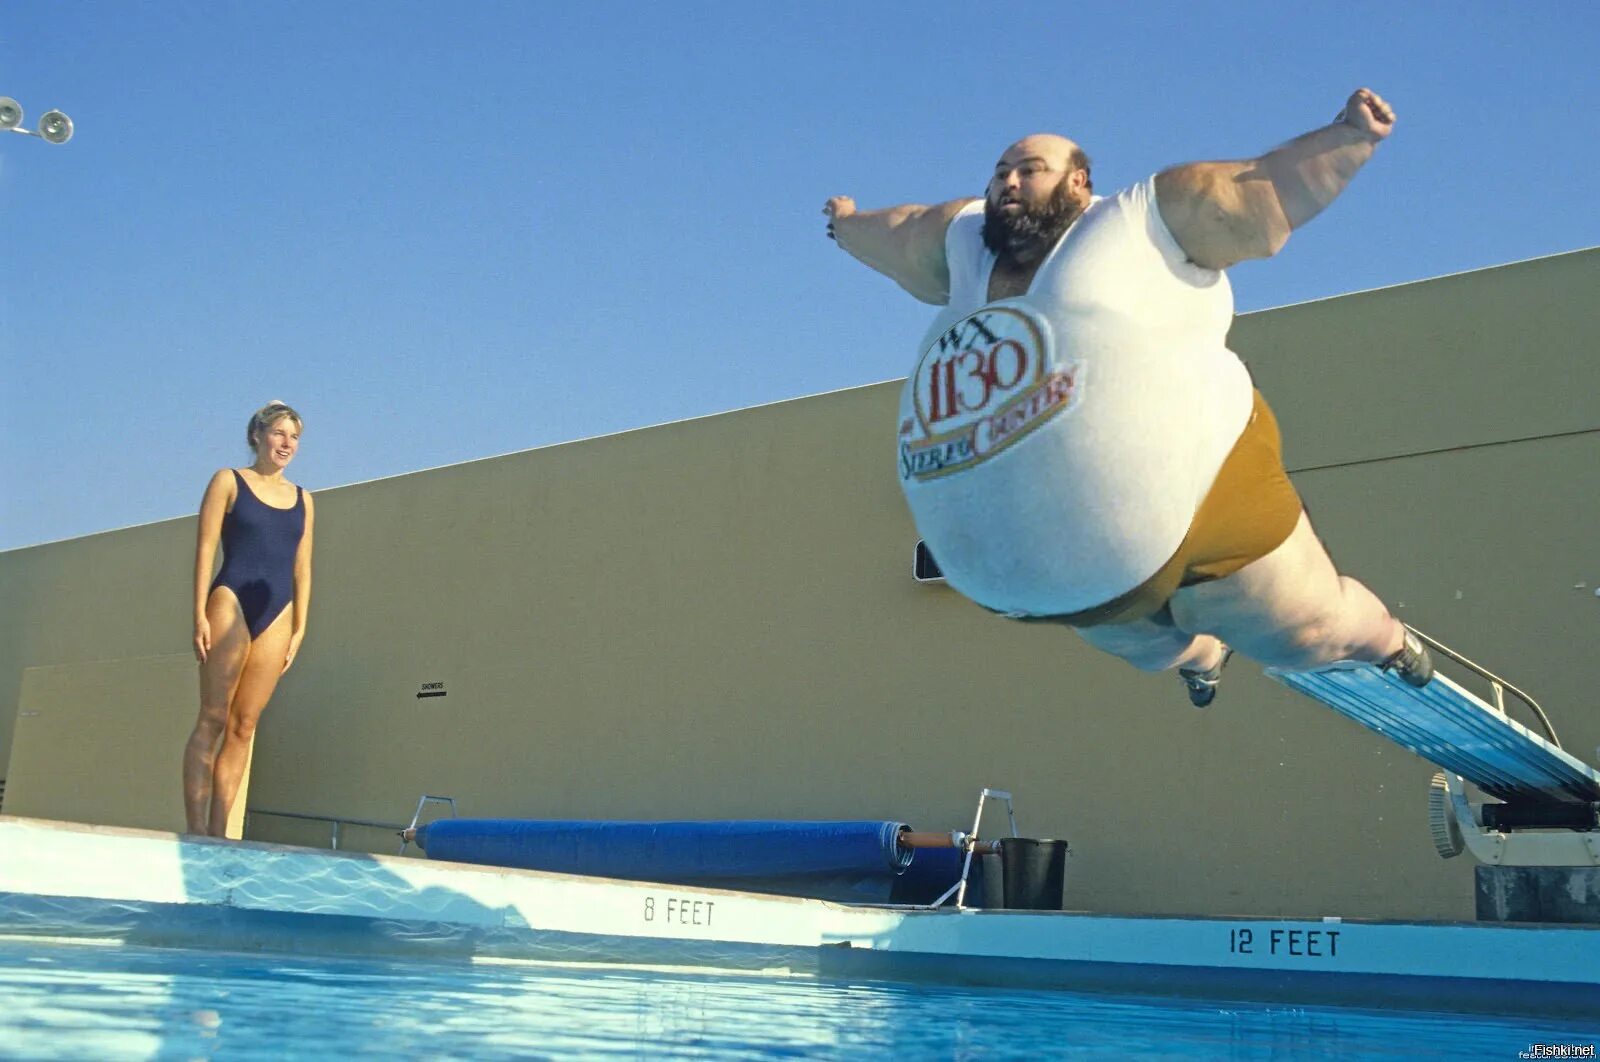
[904, 243]
[1224, 212]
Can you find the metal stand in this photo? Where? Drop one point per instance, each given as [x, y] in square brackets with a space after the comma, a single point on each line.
[1546, 811]
[970, 844]
[1457, 823]
[405, 835]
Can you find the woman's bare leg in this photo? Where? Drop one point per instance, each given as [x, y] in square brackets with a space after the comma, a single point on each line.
[260, 677]
[219, 675]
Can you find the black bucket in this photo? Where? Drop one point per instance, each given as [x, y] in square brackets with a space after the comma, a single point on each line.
[1035, 873]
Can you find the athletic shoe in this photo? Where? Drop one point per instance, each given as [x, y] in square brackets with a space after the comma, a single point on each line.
[1411, 661]
[1202, 685]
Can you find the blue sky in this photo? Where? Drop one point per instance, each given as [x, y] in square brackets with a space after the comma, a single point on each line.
[449, 231]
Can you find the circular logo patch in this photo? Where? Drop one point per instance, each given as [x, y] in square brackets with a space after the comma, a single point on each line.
[981, 385]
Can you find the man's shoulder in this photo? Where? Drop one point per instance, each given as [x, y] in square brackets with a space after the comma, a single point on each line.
[968, 214]
[1137, 194]
[966, 226]
[1150, 206]
[1136, 205]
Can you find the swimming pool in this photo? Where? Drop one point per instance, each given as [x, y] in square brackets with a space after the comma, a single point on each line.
[80, 1001]
[126, 943]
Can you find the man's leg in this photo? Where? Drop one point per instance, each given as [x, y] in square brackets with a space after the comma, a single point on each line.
[1292, 609]
[1153, 645]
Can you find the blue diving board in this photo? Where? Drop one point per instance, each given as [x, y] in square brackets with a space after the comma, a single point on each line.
[1446, 725]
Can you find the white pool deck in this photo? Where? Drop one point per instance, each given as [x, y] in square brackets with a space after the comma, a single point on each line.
[104, 885]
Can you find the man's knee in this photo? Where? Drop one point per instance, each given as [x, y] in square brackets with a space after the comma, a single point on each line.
[1145, 655]
[1310, 643]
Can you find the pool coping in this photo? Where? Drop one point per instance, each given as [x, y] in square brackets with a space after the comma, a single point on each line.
[110, 885]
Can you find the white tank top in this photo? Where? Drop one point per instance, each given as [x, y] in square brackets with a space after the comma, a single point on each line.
[1055, 446]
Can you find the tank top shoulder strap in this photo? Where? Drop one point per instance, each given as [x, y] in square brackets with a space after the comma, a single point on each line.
[967, 259]
[245, 490]
[241, 489]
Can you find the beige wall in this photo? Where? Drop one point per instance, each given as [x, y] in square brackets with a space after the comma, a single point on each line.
[99, 742]
[716, 618]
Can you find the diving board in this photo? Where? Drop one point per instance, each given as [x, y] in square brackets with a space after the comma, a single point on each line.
[1448, 726]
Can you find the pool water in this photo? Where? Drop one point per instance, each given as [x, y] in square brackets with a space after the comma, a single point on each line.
[76, 1001]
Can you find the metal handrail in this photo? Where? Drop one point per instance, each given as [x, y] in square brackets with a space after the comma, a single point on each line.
[1496, 683]
[336, 820]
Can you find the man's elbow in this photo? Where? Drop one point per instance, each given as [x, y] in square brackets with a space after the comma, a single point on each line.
[1238, 241]
[1256, 217]
[1255, 233]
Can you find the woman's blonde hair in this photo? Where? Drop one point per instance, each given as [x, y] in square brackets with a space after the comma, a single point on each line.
[266, 417]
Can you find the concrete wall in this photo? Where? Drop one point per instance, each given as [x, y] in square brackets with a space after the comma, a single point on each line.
[94, 742]
[716, 618]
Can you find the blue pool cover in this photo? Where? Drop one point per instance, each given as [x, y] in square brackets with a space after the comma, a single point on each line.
[852, 861]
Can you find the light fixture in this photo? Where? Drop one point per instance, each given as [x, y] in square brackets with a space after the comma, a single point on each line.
[54, 126]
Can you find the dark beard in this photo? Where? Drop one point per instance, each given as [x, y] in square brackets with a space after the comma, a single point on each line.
[1027, 236]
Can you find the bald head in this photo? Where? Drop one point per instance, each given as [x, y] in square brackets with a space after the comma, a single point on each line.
[1057, 154]
[1040, 186]
[1048, 145]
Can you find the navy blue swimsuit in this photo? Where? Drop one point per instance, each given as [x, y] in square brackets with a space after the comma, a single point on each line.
[258, 547]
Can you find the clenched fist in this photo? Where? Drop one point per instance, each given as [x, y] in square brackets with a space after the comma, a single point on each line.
[1369, 114]
[840, 206]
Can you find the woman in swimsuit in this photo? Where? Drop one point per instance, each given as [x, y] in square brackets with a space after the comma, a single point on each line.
[249, 621]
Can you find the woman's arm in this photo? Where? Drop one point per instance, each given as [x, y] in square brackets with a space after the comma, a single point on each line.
[213, 507]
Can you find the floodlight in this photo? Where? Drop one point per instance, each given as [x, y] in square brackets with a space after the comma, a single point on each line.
[55, 127]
